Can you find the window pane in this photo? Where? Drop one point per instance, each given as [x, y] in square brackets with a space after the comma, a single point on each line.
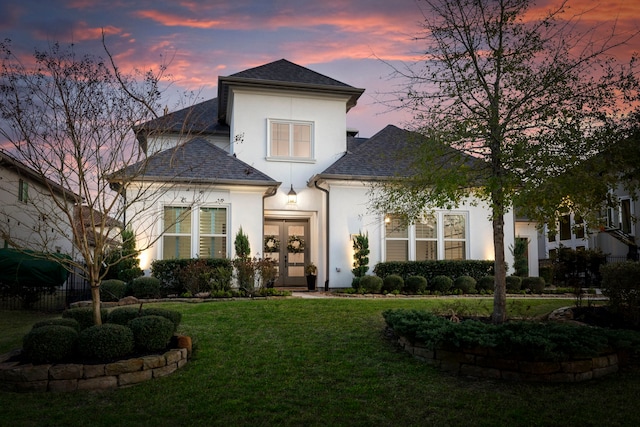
[301, 141]
[395, 227]
[565, 227]
[426, 249]
[454, 250]
[213, 221]
[625, 221]
[427, 227]
[397, 250]
[177, 220]
[579, 228]
[279, 139]
[454, 227]
[176, 247]
[213, 247]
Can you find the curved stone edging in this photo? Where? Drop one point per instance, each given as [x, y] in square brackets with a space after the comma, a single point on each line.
[29, 378]
[483, 362]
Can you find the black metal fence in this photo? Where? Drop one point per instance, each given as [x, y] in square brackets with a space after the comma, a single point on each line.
[75, 289]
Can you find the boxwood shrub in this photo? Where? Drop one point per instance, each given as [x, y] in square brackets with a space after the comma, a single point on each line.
[106, 342]
[174, 316]
[49, 343]
[151, 333]
[513, 283]
[392, 283]
[466, 284]
[534, 284]
[84, 316]
[415, 285]
[371, 284]
[122, 315]
[72, 323]
[432, 268]
[170, 273]
[112, 290]
[441, 284]
[486, 283]
[145, 287]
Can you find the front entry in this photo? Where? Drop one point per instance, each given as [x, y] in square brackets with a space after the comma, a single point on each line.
[287, 242]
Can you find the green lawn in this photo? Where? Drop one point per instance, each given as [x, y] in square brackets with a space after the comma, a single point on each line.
[320, 362]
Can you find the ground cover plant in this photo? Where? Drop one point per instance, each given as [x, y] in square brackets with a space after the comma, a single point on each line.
[319, 362]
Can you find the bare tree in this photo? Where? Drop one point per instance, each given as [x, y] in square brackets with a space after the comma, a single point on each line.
[530, 96]
[69, 119]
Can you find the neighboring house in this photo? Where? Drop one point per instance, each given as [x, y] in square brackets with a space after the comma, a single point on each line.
[272, 154]
[28, 210]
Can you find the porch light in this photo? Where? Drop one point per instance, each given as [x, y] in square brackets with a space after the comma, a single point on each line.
[292, 196]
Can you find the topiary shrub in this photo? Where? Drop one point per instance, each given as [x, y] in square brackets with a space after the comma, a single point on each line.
[122, 315]
[106, 342]
[371, 284]
[49, 343]
[151, 333]
[174, 316]
[466, 284]
[415, 284]
[441, 284]
[534, 284]
[72, 323]
[355, 284]
[84, 316]
[145, 287]
[486, 283]
[392, 283]
[513, 283]
[112, 290]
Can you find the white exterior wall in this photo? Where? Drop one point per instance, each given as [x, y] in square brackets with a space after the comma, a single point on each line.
[529, 231]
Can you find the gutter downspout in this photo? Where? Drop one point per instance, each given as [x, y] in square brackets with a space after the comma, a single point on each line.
[326, 282]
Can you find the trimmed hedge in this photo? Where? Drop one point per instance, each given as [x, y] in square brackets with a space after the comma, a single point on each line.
[621, 283]
[441, 283]
[174, 316]
[151, 333]
[84, 316]
[122, 315]
[72, 323]
[431, 268]
[370, 284]
[172, 280]
[486, 283]
[49, 343]
[145, 287]
[513, 283]
[415, 285]
[535, 284]
[392, 283]
[466, 284]
[112, 290]
[106, 342]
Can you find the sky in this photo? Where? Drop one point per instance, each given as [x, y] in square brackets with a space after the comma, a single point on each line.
[354, 41]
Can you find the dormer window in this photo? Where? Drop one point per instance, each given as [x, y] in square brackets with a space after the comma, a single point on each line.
[290, 140]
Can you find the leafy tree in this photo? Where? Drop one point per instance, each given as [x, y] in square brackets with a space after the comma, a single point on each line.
[529, 96]
[69, 117]
[360, 254]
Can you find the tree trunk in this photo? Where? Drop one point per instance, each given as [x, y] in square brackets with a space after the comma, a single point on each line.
[95, 299]
[500, 292]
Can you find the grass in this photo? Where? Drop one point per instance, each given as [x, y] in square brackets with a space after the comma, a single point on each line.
[322, 362]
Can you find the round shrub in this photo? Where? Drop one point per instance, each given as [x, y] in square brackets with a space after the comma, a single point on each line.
[466, 284]
[49, 343]
[392, 282]
[415, 284]
[106, 342]
[441, 283]
[514, 283]
[112, 290]
[72, 323]
[151, 333]
[174, 316]
[534, 284]
[145, 287]
[486, 283]
[84, 316]
[371, 284]
[122, 315]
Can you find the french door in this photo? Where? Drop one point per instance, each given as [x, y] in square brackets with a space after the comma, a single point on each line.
[287, 242]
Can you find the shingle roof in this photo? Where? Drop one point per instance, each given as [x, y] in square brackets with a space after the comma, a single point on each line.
[197, 161]
[285, 75]
[387, 154]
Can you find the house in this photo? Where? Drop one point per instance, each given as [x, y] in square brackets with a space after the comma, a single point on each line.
[29, 216]
[272, 155]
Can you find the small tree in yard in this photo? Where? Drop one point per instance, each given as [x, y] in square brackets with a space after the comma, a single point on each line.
[527, 95]
[360, 254]
[69, 118]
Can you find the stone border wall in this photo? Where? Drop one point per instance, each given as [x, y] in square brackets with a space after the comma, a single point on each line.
[70, 377]
[485, 363]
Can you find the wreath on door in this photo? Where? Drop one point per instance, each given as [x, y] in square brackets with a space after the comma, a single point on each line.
[295, 244]
[271, 244]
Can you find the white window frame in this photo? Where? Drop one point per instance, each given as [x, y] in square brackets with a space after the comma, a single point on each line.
[440, 238]
[291, 158]
[195, 228]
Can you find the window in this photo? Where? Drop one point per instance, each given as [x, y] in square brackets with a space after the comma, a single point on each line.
[213, 233]
[206, 239]
[565, 227]
[290, 140]
[23, 191]
[625, 215]
[177, 236]
[442, 235]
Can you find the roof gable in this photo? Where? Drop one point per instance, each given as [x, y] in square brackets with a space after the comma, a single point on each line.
[197, 161]
[286, 71]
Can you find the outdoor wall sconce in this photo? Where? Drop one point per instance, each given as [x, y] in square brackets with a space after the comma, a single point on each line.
[292, 196]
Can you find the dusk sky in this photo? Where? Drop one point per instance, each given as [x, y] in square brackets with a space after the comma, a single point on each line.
[348, 40]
